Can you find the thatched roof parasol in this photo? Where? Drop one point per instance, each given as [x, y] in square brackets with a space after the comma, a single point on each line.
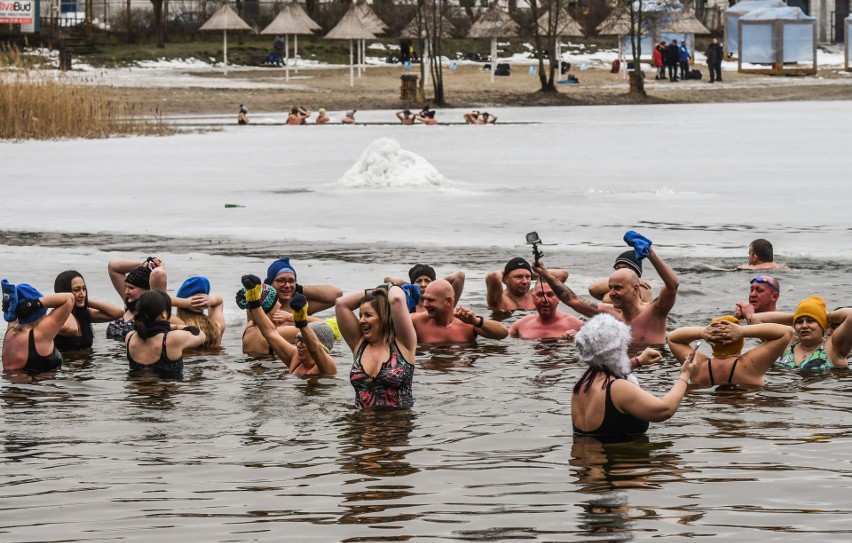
[298, 12]
[351, 27]
[686, 23]
[617, 24]
[494, 23]
[225, 19]
[286, 22]
[567, 26]
[373, 22]
[411, 31]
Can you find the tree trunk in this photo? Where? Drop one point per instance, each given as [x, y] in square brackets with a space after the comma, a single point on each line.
[158, 23]
[128, 16]
[637, 82]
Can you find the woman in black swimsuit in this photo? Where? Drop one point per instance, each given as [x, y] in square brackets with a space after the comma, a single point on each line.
[77, 333]
[34, 328]
[153, 344]
[608, 402]
[729, 365]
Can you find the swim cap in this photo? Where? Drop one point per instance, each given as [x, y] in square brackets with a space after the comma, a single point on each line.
[139, 277]
[516, 263]
[813, 307]
[23, 293]
[602, 343]
[421, 269]
[324, 333]
[268, 297]
[194, 285]
[322, 111]
[730, 349]
[628, 258]
[282, 265]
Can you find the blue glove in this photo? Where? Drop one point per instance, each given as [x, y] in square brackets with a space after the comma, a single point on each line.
[10, 301]
[412, 296]
[640, 244]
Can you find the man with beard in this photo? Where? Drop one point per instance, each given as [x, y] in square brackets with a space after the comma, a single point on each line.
[647, 319]
[441, 324]
[131, 279]
[516, 277]
[548, 321]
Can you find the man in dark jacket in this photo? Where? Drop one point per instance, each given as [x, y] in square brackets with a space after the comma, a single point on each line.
[672, 60]
[714, 60]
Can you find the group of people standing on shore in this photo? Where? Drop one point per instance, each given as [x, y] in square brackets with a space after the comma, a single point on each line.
[674, 58]
[382, 327]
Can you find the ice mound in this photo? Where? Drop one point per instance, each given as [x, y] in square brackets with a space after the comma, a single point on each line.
[385, 164]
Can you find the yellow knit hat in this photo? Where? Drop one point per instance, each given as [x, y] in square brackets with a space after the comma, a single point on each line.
[813, 307]
[730, 349]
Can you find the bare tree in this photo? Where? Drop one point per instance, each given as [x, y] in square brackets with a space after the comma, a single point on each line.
[429, 18]
[158, 23]
[545, 36]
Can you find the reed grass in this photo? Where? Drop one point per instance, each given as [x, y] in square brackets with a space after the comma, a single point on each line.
[34, 105]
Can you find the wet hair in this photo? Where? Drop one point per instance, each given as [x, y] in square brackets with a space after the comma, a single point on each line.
[62, 283]
[762, 249]
[378, 299]
[149, 309]
[204, 323]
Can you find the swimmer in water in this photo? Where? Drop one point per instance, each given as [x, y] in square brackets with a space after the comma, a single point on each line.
[131, 279]
[762, 257]
[322, 118]
[763, 295]
[423, 274]
[729, 364]
[77, 333]
[349, 117]
[510, 289]
[442, 322]
[193, 298]
[548, 321]
[242, 116]
[405, 117]
[600, 288]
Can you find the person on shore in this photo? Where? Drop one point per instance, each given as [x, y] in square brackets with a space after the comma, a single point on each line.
[314, 341]
[442, 322]
[32, 329]
[762, 298]
[130, 279]
[648, 320]
[405, 117]
[298, 116]
[423, 274]
[242, 116]
[322, 118]
[383, 342]
[607, 401]
[548, 321]
[153, 344]
[193, 298]
[659, 64]
[761, 257]
[600, 288]
[684, 56]
[349, 117]
[672, 60]
[729, 365]
[77, 333]
[810, 349]
[715, 54]
[516, 277]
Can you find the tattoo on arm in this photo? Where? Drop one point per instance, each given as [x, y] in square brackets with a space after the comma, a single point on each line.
[563, 292]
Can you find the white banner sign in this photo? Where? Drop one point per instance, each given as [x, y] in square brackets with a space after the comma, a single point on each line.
[14, 12]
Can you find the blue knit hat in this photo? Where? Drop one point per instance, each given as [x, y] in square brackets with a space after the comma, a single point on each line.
[22, 293]
[282, 265]
[194, 285]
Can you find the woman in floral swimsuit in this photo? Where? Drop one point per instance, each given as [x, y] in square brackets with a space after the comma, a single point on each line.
[383, 341]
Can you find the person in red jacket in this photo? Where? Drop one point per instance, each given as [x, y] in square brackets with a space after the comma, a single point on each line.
[658, 61]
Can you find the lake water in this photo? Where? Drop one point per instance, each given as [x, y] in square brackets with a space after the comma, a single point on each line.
[241, 451]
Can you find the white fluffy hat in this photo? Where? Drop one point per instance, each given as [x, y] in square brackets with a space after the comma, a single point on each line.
[603, 343]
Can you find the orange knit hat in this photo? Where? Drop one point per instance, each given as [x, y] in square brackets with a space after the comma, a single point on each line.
[813, 307]
[731, 349]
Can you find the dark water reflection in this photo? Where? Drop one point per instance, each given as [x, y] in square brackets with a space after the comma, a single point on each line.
[239, 450]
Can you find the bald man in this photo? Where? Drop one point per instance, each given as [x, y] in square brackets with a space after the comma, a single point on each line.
[441, 324]
[548, 321]
[647, 319]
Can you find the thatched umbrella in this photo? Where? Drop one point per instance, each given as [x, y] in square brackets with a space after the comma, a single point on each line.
[350, 27]
[494, 23]
[297, 11]
[225, 19]
[373, 23]
[287, 23]
[566, 27]
[617, 24]
[686, 23]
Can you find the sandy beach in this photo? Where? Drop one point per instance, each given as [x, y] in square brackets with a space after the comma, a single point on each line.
[264, 90]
